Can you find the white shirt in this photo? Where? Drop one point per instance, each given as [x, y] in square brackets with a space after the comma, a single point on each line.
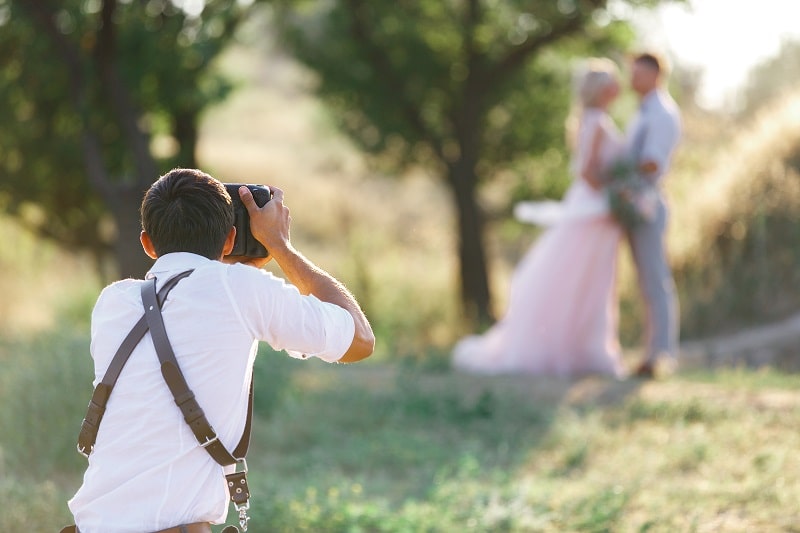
[654, 132]
[147, 471]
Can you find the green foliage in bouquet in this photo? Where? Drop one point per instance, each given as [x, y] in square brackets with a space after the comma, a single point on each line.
[630, 197]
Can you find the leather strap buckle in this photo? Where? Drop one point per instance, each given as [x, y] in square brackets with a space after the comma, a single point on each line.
[82, 450]
[208, 442]
[240, 493]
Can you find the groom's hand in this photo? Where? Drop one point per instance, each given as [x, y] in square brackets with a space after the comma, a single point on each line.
[648, 167]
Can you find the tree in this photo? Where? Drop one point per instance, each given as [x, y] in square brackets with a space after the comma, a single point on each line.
[463, 87]
[87, 86]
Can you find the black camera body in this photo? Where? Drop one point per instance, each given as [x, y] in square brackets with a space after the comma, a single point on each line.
[246, 245]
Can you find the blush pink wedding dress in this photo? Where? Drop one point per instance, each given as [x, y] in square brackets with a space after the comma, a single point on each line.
[562, 312]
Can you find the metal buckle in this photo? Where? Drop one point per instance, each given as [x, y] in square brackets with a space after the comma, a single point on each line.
[209, 442]
[242, 509]
[243, 518]
[84, 453]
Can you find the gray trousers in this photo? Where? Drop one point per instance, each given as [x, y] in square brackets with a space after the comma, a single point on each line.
[656, 285]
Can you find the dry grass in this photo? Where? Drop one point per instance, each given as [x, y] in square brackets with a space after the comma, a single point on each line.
[720, 191]
[38, 282]
[735, 238]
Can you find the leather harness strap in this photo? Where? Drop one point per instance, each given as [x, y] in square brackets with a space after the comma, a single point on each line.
[192, 412]
[97, 405]
[184, 398]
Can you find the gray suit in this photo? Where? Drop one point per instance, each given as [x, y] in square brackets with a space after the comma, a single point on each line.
[652, 136]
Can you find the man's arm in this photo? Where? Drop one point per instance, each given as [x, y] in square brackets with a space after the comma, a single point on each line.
[662, 137]
[270, 224]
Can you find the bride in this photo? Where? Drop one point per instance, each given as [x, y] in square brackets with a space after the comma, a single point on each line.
[562, 313]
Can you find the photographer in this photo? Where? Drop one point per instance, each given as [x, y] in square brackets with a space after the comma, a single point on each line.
[147, 472]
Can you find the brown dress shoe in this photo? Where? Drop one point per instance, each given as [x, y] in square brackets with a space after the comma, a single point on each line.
[661, 368]
[645, 370]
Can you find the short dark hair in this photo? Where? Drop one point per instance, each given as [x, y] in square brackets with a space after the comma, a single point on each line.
[649, 59]
[187, 210]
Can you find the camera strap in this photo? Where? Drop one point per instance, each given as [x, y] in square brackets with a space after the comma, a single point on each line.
[97, 405]
[183, 396]
[192, 412]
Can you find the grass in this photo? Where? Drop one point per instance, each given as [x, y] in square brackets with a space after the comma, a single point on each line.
[40, 283]
[383, 448]
[396, 447]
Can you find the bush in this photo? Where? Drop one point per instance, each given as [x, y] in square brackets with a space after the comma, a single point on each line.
[738, 247]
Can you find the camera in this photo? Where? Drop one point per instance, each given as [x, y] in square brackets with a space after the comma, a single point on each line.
[246, 245]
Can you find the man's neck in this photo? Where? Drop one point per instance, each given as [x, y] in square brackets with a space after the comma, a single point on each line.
[644, 95]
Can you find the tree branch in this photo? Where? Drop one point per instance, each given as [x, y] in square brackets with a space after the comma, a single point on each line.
[472, 57]
[465, 114]
[229, 26]
[382, 66]
[517, 55]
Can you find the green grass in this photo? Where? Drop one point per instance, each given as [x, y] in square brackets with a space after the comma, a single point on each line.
[380, 447]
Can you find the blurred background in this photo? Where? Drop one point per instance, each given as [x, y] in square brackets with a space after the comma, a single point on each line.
[403, 133]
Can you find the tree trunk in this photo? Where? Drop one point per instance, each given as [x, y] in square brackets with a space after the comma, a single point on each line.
[185, 131]
[471, 251]
[131, 260]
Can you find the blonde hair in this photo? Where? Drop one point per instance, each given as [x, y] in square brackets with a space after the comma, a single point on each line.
[589, 81]
[592, 77]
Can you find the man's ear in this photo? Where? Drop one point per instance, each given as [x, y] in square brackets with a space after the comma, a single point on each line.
[230, 240]
[147, 245]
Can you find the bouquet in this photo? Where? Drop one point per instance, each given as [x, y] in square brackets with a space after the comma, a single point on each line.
[633, 200]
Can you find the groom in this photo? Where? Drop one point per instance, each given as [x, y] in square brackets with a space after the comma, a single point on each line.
[651, 139]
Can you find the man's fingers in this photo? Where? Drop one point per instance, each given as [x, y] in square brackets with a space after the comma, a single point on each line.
[247, 198]
[249, 201]
[277, 194]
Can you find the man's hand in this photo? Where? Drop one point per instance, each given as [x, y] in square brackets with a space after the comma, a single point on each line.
[648, 167]
[269, 224]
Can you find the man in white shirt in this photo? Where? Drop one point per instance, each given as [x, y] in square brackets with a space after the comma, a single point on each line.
[147, 472]
[652, 138]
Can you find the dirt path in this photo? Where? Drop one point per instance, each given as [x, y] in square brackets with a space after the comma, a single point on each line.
[776, 345]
